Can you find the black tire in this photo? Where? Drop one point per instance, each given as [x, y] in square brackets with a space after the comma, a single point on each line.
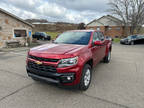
[82, 84]
[43, 39]
[132, 43]
[107, 57]
[49, 38]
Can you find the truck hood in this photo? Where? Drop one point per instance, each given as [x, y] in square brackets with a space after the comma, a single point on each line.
[57, 49]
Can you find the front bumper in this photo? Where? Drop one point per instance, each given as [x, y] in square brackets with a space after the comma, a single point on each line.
[126, 42]
[58, 78]
[122, 42]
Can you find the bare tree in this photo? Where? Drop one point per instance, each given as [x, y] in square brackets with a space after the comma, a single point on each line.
[131, 13]
[81, 26]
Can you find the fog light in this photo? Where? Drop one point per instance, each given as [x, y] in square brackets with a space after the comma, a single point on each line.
[68, 78]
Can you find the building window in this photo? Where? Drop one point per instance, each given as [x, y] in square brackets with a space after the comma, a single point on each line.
[117, 28]
[98, 28]
[109, 28]
[20, 33]
[91, 28]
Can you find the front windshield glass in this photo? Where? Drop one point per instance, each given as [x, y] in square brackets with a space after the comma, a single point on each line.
[129, 37]
[132, 37]
[74, 37]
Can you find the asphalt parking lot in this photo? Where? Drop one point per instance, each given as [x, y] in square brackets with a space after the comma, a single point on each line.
[119, 84]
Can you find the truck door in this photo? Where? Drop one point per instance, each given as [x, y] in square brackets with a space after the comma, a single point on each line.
[96, 50]
[103, 46]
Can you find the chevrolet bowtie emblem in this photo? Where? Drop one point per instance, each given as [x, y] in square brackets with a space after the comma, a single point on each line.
[38, 62]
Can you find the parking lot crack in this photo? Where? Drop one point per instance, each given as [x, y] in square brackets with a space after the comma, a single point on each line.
[107, 101]
[16, 91]
[13, 73]
[136, 67]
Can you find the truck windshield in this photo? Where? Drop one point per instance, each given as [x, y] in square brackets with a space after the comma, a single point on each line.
[80, 38]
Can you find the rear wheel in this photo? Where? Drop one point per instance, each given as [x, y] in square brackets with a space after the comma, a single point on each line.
[86, 78]
[107, 58]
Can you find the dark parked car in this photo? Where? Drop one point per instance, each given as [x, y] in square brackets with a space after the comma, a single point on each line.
[133, 39]
[41, 36]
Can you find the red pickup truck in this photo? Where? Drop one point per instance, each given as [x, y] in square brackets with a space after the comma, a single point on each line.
[70, 58]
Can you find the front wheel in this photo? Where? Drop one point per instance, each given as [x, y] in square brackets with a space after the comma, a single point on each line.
[132, 43]
[43, 39]
[85, 78]
[107, 58]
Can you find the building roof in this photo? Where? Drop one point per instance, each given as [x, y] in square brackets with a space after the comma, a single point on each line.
[52, 23]
[85, 30]
[14, 16]
[111, 18]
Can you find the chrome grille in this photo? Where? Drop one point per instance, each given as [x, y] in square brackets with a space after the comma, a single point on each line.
[41, 67]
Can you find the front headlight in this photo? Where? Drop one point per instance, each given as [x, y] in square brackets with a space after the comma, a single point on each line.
[68, 62]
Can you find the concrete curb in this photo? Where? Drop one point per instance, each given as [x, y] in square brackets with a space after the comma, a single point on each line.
[14, 49]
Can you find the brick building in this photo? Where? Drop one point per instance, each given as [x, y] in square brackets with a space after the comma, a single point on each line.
[109, 25]
[14, 29]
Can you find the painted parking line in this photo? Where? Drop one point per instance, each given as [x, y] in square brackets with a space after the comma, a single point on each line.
[17, 53]
[2, 52]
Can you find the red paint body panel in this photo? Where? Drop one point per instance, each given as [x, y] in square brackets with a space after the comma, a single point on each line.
[61, 51]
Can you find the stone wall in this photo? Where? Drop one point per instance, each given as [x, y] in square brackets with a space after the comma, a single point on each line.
[7, 26]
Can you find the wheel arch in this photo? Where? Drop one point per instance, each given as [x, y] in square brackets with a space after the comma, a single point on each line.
[90, 62]
[108, 48]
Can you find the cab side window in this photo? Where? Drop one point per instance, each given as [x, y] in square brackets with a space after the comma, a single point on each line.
[96, 37]
[101, 36]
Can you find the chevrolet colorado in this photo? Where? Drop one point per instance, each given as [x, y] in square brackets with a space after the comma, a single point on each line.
[70, 58]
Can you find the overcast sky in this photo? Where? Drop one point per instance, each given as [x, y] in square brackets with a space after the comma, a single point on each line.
[74, 11]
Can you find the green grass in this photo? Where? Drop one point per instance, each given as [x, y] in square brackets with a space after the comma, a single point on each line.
[116, 40]
[53, 34]
[142, 31]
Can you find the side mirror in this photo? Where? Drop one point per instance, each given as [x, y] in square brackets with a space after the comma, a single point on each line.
[98, 43]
